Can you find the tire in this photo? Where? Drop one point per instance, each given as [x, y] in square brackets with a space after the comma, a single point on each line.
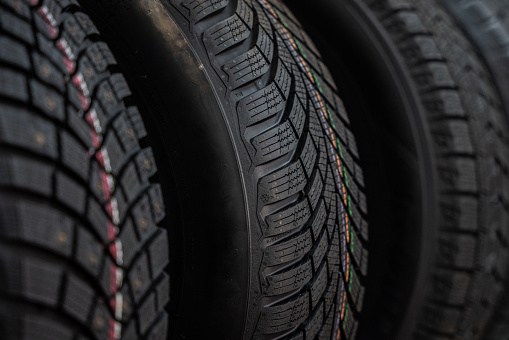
[83, 250]
[486, 24]
[306, 285]
[303, 187]
[265, 211]
[433, 134]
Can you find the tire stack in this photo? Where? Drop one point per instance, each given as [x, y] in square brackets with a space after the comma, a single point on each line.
[254, 169]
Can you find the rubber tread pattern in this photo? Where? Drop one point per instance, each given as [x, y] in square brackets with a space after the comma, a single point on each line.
[81, 252]
[303, 157]
[470, 138]
[486, 23]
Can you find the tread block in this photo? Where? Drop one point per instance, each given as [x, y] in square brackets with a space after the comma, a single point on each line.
[290, 250]
[315, 190]
[431, 75]
[147, 312]
[291, 218]
[356, 290]
[101, 320]
[158, 253]
[125, 134]
[24, 173]
[417, 48]
[115, 154]
[275, 143]
[252, 64]
[453, 138]
[458, 174]
[13, 85]
[282, 184]
[319, 252]
[231, 31]
[163, 292]
[359, 255]
[319, 219]
[261, 105]
[139, 277]
[14, 53]
[160, 329]
[38, 135]
[18, 7]
[16, 26]
[130, 182]
[70, 193]
[318, 286]
[290, 280]
[285, 316]
[441, 319]
[315, 323]
[40, 281]
[38, 224]
[108, 99]
[47, 100]
[99, 220]
[451, 287]
[332, 292]
[100, 56]
[199, 9]
[78, 298]
[37, 326]
[89, 252]
[462, 212]
[445, 102]
[309, 156]
[47, 72]
[142, 217]
[135, 118]
[129, 241]
[457, 250]
[156, 199]
[146, 164]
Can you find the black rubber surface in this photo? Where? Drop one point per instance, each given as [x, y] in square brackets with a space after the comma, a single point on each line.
[486, 23]
[81, 253]
[441, 253]
[302, 183]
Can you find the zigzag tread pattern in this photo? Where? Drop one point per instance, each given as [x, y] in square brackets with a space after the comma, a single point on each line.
[309, 197]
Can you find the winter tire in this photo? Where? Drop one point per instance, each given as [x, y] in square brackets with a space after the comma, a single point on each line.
[264, 215]
[82, 248]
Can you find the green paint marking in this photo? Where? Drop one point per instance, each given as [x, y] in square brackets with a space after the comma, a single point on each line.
[316, 80]
[349, 205]
[340, 149]
[318, 84]
[350, 281]
[351, 241]
[346, 179]
[331, 118]
[280, 17]
[300, 48]
[346, 317]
